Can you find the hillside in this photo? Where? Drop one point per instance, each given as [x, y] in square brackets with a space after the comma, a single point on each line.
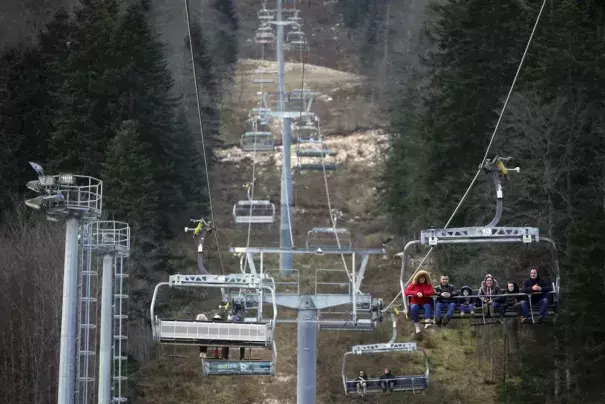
[455, 362]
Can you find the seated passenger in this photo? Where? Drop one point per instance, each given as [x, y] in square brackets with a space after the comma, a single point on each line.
[489, 288]
[361, 383]
[242, 351]
[421, 291]
[387, 380]
[511, 301]
[224, 350]
[445, 293]
[539, 290]
[467, 304]
[203, 349]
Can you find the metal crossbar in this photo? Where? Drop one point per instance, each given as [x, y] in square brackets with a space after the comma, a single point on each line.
[479, 234]
[235, 280]
[384, 347]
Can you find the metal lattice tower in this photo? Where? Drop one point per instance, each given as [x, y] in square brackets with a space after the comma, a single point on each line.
[120, 330]
[108, 245]
[87, 320]
[76, 199]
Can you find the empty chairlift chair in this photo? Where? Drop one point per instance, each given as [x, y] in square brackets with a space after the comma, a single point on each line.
[263, 76]
[328, 238]
[265, 15]
[257, 141]
[407, 383]
[321, 165]
[254, 211]
[297, 41]
[190, 332]
[264, 35]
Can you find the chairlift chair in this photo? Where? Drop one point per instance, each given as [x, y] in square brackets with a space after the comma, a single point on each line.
[307, 134]
[328, 238]
[489, 234]
[297, 41]
[258, 334]
[254, 211]
[262, 115]
[406, 383]
[315, 152]
[257, 141]
[264, 36]
[265, 15]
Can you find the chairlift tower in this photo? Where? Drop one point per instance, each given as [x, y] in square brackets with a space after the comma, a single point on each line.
[109, 242]
[309, 305]
[75, 199]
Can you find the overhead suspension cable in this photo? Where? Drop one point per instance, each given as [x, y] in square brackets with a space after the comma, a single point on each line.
[531, 36]
[323, 164]
[199, 115]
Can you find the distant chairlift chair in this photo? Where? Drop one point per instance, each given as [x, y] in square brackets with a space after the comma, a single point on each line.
[407, 383]
[328, 238]
[265, 15]
[296, 41]
[257, 141]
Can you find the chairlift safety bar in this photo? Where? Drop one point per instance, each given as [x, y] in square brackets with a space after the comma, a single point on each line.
[235, 280]
[384, 347]
[479, 234]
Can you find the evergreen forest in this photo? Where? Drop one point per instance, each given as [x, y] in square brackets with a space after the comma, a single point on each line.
[92, 91]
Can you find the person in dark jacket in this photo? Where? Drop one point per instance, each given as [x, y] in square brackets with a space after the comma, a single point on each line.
[489, 288]
[445, 297]
[386, 380]
[539, 295]
[361, 383]
[511, 301]
[467, 304]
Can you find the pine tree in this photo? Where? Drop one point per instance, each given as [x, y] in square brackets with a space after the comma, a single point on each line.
[225, 42]
[27, 103]
[209, 90]
[86, 99]
[471, 70]
[133, 194]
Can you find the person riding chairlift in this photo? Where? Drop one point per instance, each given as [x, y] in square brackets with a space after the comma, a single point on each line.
[445, 292]
[539, 296]
[361, 383]
[467, 303]
[224, 350]
[203, 349]
[513, 302]
[421, 291]
[489, 288]
[387, 381]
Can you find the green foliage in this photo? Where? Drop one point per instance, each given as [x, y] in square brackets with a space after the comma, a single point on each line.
[552, 129]
[209, 90]
[225, 49]
[95, 96]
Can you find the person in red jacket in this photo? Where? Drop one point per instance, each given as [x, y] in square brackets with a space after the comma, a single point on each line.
[421, 292]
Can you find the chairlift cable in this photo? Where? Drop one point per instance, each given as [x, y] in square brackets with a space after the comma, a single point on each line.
[288, 202]
[253, 183]
[199, 115]
[531, 36]
[323, 163]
